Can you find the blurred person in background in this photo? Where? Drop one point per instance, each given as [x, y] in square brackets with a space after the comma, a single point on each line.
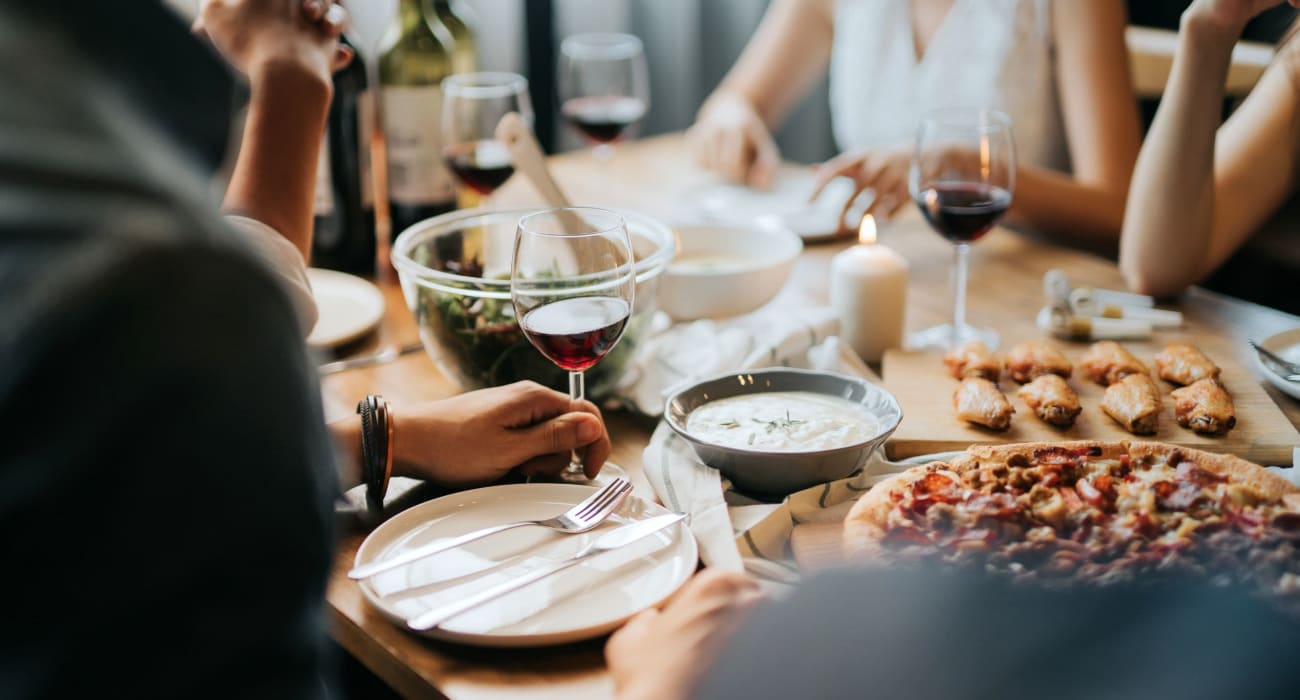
[1200, 190]
[920, 633]
[1058, 69]
[167, 479]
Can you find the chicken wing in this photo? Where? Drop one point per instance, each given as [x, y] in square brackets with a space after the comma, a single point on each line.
[1134, 402]
[1183, 364]
[1036, 358]
[979, 401]
[1107, 362]
[973, 359]
[1205, 407]
[1052, 399]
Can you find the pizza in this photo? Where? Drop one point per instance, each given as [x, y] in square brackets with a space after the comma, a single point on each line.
[1090, 513]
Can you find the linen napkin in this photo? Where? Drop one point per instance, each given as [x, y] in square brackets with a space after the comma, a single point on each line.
[735, 532]
[777, 336]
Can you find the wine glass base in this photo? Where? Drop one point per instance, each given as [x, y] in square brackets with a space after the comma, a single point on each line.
[943, 337]
[608, 473]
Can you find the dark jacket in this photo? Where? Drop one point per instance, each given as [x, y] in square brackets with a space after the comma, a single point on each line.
[165, 474]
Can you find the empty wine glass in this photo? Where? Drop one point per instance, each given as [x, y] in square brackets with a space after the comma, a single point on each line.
[962, 177]
[472, 105]
[369, 24]
[572, 281]
[604, 86]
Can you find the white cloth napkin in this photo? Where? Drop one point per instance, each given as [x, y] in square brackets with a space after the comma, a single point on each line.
[735, 532]
[773, 337]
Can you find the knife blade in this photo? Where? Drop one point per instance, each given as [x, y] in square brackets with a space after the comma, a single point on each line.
[379, 358]
[610, 541]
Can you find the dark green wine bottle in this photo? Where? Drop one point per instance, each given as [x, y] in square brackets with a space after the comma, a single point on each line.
[453, 16]
[410, 73]
[344, 218]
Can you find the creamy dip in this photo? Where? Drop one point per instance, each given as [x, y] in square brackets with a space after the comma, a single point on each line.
[706, 263]
[783, 421]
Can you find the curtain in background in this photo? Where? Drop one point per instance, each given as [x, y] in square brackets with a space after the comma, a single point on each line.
[690, 45]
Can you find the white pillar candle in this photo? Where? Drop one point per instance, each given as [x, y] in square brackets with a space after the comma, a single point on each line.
[869, 294]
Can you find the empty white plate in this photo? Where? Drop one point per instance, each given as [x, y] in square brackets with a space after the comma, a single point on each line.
[349, 307]
[588, 600]
[1287, 346]
[787, 200]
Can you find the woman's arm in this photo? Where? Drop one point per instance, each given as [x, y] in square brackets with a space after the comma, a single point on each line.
[288, 49]
[787, 53]
[274, 180]
[1101, 126]
[1176, 231]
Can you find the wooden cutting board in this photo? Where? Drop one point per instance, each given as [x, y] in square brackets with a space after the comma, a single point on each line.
[817, 546]
[924, 388]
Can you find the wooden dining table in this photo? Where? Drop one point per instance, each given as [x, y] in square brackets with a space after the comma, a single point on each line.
[657, 176]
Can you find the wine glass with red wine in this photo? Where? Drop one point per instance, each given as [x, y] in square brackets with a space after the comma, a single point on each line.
[572, 281]
[472, 105]
[604, 87]
[962, 177]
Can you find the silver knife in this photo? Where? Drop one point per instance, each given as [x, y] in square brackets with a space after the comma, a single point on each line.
[379, 358]
[609, 541]
[1287, 370]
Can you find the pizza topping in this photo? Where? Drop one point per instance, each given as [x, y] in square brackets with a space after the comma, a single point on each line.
[1090, 493]
[1288, 524]
[1193, 474]
[1067, 514]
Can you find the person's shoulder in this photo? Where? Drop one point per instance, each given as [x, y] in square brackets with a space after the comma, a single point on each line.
[144, 268]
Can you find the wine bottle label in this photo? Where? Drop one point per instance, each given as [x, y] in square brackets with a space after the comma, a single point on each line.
[366, 125]
[416, 173]
[324, 186]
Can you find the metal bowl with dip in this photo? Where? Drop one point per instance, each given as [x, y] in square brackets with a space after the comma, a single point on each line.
[776, 431]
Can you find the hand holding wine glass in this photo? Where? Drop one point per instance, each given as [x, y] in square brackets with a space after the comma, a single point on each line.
[572, 281]
[962, 178]
[473, 104]
[604, 86]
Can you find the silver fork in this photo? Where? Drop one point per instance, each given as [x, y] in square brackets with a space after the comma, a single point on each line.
[1290, 370]
[580, 518]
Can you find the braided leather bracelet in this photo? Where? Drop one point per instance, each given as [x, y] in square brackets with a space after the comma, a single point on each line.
[376, 449]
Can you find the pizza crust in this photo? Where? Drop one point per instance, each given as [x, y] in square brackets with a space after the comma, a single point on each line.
[865, 525]
[1271, 486]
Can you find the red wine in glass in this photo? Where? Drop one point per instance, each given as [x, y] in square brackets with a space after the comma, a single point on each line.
[483, 166]
[576, 333]
[603, 119]
[963, 212]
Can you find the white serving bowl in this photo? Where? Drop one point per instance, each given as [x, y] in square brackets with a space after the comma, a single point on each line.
[723, 270]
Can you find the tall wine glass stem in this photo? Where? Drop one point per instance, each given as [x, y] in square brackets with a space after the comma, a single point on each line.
[960, 266]
[577, 394]
[603, 152]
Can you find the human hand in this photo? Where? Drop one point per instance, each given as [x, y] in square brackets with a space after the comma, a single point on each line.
[1230, 15]
[663, 654]
[478, 437]
[882, 171]
[254, 35]
[730, 137]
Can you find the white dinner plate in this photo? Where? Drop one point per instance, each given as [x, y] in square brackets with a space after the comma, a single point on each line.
[585, 601]
[1287, 346]
[787, 201]
[349, 307]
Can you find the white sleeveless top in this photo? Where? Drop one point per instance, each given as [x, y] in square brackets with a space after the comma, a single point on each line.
[986, 53]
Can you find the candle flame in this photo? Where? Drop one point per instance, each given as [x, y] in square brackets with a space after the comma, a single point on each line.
[867, 231]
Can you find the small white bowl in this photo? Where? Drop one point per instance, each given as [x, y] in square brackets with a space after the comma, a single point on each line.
[725, 270]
